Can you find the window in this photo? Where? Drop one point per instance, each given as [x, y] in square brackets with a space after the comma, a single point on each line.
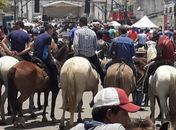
[170, 9]
[166, 11]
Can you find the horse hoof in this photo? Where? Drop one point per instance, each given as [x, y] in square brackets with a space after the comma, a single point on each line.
[91, 104]
[33, 115]
[40, 107]
[53, 120]
[61, 127]
[2, 122]
[79, 120]
[15, 124]
[44, 119]
[22, 125]
[9, 113]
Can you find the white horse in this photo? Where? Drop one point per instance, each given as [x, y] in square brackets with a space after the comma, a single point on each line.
[172, 106]
[160, 85]
[76, 77]
[6, 62]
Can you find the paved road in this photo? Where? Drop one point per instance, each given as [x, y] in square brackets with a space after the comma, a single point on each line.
[36, 124]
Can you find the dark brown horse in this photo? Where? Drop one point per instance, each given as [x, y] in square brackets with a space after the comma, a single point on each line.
[27, 78]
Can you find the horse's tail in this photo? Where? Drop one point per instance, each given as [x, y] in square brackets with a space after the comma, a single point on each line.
[172, 101]
[119, 77]
[11, 86]
[71, 90]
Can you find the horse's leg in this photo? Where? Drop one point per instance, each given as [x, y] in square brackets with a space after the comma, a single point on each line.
[159, 104]
[146, 99]
[94, 92]
[45, 105]
[64, 105]
[53, 103]
[9, 110]
[72, 110]
[23, 97]
[38, 101]
[164, 108]
[3, 99]
[79, 111]
[31, 106]
[152, 107]
[12, 96]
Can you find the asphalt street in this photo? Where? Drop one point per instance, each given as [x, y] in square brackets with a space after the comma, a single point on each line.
[37, 124]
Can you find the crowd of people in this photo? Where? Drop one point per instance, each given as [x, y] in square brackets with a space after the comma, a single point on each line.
[111, 105]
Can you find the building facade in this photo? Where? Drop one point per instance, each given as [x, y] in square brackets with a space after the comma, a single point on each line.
[170, 14]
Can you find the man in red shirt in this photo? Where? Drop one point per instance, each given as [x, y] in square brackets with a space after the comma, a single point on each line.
[132, 34]
[165, 56]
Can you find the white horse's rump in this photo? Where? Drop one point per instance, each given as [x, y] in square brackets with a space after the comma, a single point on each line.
[160, 84]
[6, 62]
[76, 77]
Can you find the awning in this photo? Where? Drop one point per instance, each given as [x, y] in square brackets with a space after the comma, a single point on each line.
[62, 8]
[144, 22]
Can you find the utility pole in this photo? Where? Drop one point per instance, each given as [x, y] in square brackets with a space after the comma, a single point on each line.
[21, 2]
[106, 4]
[126, 12]
[27, 11]
[111, 5]
[15, 11]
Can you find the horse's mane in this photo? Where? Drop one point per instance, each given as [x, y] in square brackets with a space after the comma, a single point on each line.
[61, 52]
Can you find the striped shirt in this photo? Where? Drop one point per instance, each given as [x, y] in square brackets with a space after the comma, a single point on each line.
[85, 42]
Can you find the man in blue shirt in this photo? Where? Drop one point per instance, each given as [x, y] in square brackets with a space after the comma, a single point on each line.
[122, 48]
[141, 39]
[18, 40]
[42, 50]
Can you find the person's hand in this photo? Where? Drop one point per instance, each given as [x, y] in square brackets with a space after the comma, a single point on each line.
[14, 53]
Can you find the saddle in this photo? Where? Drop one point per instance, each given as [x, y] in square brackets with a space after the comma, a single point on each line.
[41, 65]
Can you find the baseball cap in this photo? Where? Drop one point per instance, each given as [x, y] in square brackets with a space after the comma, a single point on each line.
[112, 96]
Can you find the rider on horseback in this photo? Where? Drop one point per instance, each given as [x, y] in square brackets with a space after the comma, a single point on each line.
[85, 45]
[165, 56]
[122, 49]
[42, 50]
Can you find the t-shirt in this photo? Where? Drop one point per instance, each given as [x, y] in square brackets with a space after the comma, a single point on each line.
[142, 37]
[132, 35]
[124, 48]
[18, 40]
[114, 126]
[41, 46]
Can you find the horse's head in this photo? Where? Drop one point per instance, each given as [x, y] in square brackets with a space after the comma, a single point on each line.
[63, 52]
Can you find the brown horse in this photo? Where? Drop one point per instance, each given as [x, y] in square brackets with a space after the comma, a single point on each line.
[120, 75]
[27, 78]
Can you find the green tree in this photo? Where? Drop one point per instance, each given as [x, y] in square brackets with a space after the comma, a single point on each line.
[3, 4]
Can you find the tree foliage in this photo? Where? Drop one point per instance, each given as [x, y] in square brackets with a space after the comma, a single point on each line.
[3, 4]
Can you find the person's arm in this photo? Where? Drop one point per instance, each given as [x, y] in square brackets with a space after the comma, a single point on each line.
[49, 50]
[4, 43]
[26, 50]
[76, 42]
[28, 47]
[95, 42]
